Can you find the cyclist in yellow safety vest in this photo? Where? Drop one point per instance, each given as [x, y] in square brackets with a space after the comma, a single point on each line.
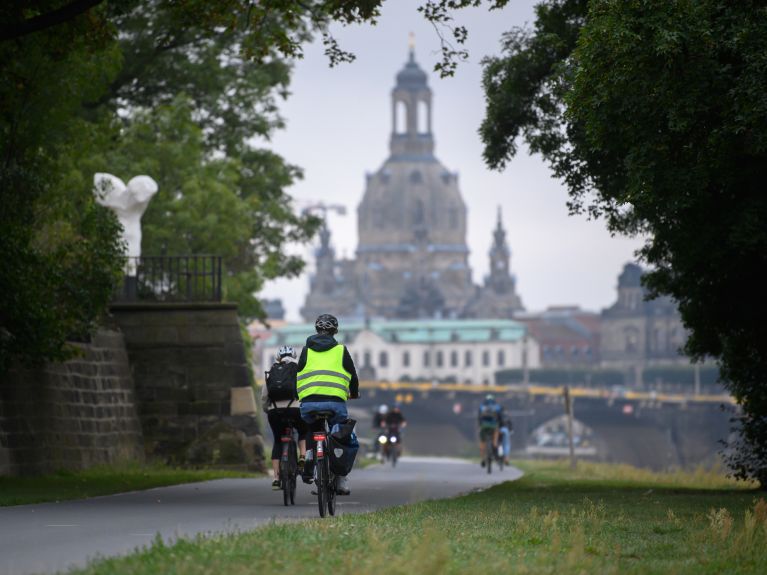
[326, 379]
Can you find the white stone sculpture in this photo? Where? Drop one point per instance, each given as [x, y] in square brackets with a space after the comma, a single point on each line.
[129, 203]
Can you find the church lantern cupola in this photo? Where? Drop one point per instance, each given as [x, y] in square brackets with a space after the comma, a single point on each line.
[411, 112]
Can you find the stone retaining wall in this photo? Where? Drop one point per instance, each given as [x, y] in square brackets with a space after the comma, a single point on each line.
[71, 415]
[186, 359]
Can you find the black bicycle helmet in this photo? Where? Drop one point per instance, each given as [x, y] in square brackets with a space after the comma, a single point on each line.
[326, 323]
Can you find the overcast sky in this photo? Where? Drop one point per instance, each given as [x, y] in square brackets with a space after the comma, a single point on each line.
[338, 126]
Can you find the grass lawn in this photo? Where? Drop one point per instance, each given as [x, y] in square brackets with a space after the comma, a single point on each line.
[99, 481]
[598, 519]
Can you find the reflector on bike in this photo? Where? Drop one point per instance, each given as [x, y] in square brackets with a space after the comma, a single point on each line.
[319, 437]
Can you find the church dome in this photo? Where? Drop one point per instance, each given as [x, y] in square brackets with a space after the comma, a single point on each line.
[411, 77]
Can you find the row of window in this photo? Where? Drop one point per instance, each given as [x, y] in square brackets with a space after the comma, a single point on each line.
[559, 350]
[440, 359]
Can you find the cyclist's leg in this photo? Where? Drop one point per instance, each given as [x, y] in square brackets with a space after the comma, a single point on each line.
[301, 428]
[276, 425]
[312, 425]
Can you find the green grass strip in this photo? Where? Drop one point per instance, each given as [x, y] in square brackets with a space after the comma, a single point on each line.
[99, 481]
[597, 519]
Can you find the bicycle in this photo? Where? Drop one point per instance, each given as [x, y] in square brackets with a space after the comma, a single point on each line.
[499, 455]
[492, 453]
[288, 465]
[391, 447]
[325, 481]
[489, 453]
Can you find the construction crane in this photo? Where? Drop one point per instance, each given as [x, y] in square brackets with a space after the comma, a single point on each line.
[324, 208]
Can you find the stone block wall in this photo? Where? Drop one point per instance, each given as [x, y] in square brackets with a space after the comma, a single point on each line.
[71, 415]
[186, 359]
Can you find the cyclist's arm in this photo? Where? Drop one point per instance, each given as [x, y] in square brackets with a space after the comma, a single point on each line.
[354, 384]
[264, 398]
[301, 360]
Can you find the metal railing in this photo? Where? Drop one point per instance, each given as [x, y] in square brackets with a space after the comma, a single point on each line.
[171, 279]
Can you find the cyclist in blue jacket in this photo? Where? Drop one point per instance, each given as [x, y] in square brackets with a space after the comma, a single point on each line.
[489, 418]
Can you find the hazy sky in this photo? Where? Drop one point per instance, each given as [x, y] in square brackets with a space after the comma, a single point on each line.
[338, 127]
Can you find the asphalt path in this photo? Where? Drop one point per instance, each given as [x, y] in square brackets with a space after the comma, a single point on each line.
[51, 537]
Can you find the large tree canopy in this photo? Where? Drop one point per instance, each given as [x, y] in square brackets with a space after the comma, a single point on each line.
[654, 114]
[192, 109]
[59, 251]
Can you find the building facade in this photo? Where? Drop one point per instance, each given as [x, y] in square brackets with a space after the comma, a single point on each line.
[638, 333]
[412, 259]
[569, 337]
[456, 351]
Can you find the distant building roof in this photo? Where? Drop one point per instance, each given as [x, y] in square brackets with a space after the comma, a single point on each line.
[434, 331]
[631, 276]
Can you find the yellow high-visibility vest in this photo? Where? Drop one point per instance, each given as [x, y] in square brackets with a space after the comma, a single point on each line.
[324, 374]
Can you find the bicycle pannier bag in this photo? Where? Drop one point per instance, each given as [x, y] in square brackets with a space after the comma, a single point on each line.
[281, 382]
[343, 445]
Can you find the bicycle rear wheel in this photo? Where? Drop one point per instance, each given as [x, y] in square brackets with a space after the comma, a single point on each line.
[285, 481]
[321, 482]
[489, 456]
[293, 471]
[332, 486]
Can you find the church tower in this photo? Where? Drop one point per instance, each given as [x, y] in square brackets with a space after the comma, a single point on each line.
[500, 280]
[332, 287]
[497, 299]
[412, 257]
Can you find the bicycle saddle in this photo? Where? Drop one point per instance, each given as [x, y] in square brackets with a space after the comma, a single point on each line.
[323, 414]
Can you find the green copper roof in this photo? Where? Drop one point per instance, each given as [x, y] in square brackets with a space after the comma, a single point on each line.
[429, 331]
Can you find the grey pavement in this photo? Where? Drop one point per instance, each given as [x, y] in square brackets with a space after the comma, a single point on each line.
[50, 537]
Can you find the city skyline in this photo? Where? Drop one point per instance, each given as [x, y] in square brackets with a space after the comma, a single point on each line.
[557, 259]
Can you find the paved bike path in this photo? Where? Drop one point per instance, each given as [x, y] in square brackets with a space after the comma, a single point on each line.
[49, 537]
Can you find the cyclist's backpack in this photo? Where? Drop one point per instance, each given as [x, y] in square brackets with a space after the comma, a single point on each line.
[343, 447]
[281, 382]
[487, 412]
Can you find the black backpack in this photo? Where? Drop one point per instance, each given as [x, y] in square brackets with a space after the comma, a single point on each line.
[281, 382]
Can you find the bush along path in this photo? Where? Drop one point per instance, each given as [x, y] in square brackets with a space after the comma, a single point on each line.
[597, 519]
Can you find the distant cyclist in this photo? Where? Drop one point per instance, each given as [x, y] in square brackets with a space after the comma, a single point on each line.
[379, 416]
[394, 422]
[378, 425]
[489, 418]
[395, 418]
[279, 400]
[326, 379]
[505, 436]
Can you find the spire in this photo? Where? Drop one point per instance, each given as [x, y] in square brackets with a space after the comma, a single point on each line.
[500, 278]
[411, 46]
[499, 235]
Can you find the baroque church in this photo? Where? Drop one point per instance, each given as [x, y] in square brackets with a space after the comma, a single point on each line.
[412, 260]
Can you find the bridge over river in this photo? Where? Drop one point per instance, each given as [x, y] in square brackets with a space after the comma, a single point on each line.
[643, 428]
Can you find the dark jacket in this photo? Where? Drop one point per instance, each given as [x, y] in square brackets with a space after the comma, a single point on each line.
[321, 342]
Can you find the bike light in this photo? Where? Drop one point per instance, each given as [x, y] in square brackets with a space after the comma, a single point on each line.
[393, 439]
[382, 439]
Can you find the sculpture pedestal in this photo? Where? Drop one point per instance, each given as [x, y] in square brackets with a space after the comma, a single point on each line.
[130, 288]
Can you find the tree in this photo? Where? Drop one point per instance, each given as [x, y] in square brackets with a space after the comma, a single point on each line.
[59, 250]
[190, 108]
[656, 120]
